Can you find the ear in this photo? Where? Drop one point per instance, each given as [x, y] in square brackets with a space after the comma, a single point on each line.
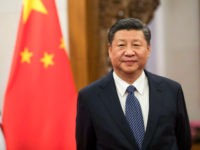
[148, 50]
[109, 50]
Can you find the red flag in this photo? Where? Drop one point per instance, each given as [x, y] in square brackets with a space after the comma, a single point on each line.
[40, 100]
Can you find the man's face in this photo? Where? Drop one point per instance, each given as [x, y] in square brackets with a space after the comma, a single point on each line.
[129, 52]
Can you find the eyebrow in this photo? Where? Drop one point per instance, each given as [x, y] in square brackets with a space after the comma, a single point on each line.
[134, 40]
[121, 40]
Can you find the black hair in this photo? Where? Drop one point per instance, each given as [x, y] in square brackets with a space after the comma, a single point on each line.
[129, 24]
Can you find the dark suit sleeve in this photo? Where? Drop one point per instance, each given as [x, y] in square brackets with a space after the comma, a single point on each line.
[85, 135]
[182, 124]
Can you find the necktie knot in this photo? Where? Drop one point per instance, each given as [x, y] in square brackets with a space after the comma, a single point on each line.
[130, 89]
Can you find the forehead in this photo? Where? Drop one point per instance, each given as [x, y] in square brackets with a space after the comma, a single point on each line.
[129, 34]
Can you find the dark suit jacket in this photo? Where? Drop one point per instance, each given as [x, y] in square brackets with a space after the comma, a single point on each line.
[101, 124]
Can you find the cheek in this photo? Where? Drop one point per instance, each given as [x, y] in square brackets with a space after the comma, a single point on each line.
[143, 58]
[143, 54]
[116, 55]
[140, 56]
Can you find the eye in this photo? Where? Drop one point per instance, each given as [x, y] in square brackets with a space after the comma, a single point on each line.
[136, 45]
[120, 45]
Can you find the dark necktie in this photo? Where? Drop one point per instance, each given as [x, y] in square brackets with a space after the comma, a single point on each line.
[134, 116]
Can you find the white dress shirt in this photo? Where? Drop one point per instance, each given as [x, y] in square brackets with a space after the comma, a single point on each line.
[142, 93]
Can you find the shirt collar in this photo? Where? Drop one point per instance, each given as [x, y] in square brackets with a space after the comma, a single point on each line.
[122, 85]
[140, 83]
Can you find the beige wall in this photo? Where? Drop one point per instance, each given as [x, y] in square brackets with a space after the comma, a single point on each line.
[9, 15]
[176, 48]
[183, 49]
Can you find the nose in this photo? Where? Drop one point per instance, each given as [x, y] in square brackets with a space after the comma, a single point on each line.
[129, 51]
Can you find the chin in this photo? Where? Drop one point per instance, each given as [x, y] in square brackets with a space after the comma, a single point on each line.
[130, 71]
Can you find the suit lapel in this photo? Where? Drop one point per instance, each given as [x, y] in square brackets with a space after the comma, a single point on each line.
[155, 106]
[111, 101]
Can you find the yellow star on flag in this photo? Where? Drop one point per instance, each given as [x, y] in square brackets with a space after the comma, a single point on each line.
[26, 56]
[30, 5]
[47, 60]
[62, 44]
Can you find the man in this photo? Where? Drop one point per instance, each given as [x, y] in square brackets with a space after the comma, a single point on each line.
[152, 116]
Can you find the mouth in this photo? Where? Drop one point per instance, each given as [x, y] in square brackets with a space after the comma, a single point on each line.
[130, 62]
